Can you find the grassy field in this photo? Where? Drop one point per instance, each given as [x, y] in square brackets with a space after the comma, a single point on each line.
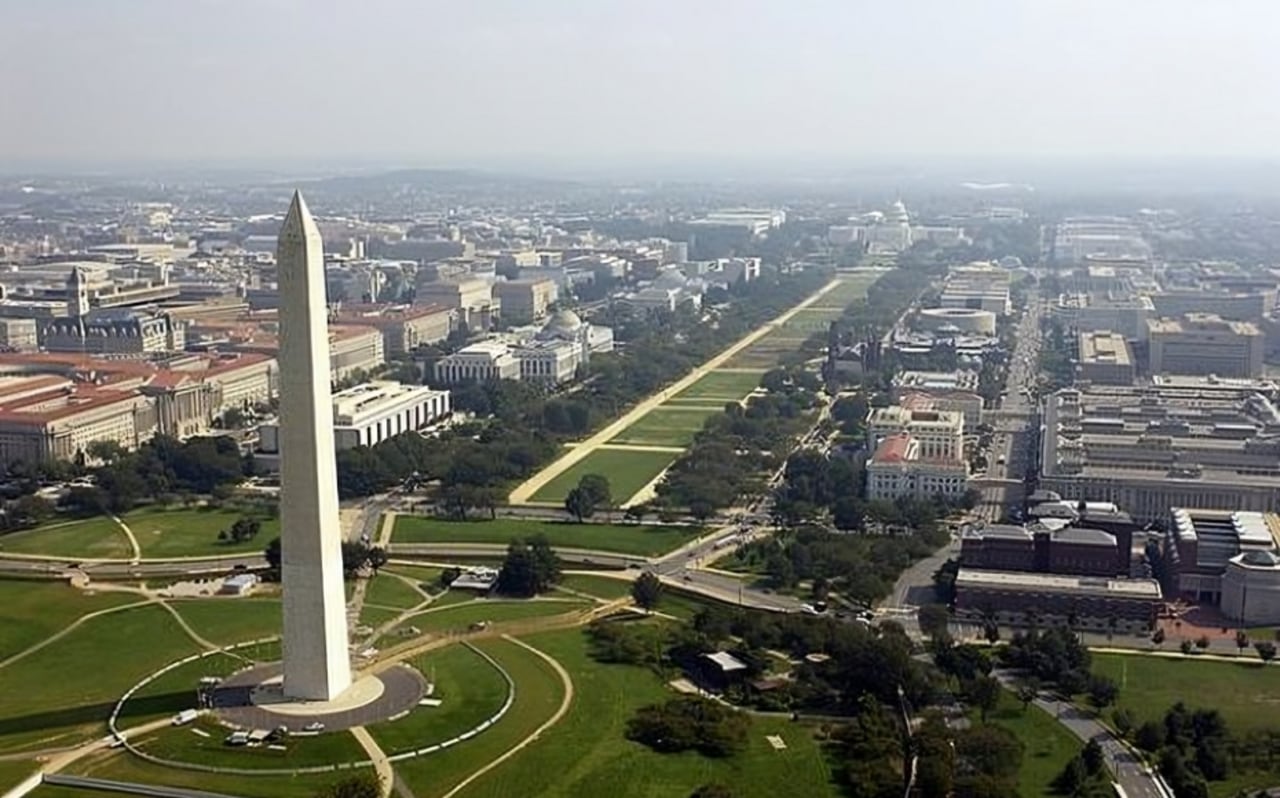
[471, 689]
[121, 766]
[728, 386]
[666, 426]
[586, 754]
[1244, 693]
[14, 771]
[1048, 746]
[388, 591]
[624, 538]
[599, 586]
[31, 611]
[181, 744]
[627, 471]
[160, 533]
[538, 694]
[65, 691]
[91, 538]
[165, 533]
[377, 616]
[459, 617]
[225, 621]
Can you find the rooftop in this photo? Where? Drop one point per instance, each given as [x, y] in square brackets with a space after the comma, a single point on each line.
[1058, 583]
[1105, 347]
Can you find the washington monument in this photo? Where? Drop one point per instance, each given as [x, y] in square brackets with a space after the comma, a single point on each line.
[316, 663]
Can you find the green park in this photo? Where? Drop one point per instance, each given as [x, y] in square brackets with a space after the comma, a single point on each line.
[639, 539]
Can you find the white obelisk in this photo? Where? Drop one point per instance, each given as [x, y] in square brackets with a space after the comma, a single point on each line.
[317, 666]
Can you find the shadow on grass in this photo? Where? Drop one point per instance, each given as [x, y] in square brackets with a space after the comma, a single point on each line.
[49, 720]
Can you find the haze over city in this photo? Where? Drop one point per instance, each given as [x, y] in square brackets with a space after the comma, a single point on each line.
[584, 84]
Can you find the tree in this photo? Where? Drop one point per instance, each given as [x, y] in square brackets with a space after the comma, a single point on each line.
[1093, 758]
[596, 486]
[1122, 719]
[690, 723]
[984, 693]
[990, 749]
[646, 590]
[529, 568]
[242, 531]
[933, 620]
[1102, 691]
[366, 784]
[1149, 736]
[712, 791]
[1073, 776]
[579, 504]
[1266, 650]
[274, 556]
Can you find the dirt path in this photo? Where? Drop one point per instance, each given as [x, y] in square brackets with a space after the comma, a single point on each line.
[527, 489]
[551, 721]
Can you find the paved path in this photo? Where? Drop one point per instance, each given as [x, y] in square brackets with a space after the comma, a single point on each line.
[133, 540]
[386, 776]
[642, 447]
[525, 491]
[1136, 779]
[565, 702]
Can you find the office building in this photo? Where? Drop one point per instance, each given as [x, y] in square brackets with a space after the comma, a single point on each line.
[478, 362]
[899, 468]
[1126, 315]
[1229, 305]
[404, 328]
[1201, 343]
[953, 391]
[1105, 358]
[367, 414]
[939, 432]
[19, 335]
[525, 301]
[473, 300]
[1171, 442]
[1089, 602]
[951, 320]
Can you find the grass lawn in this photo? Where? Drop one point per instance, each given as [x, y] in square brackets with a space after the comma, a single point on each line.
[599, 586]
[190, 532]
[427, 578]
[1048, 746]
[729, 386]
[664, 426]
[587, 754]
[227, 621]
[31, 611]
[459, 617]
[121, 766]
[90, 538]
[471, 689]
[681, 605]
[538, 694]
[181, 744]
[625, 538]
[377, 616]
[65, 690]
[627, 472]
[14, 771]
[1246, 694]
[388, 591]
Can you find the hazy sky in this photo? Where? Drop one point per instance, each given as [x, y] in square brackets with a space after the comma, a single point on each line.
[464, 81]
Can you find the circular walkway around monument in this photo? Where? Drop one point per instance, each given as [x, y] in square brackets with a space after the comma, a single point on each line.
[251, 699]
